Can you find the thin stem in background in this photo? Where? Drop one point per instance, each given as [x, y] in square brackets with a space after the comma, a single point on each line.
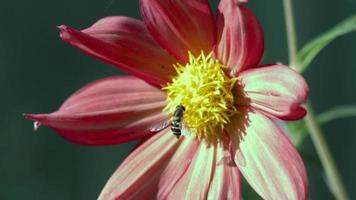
[291, 33]
[313, 126]
[327, 161]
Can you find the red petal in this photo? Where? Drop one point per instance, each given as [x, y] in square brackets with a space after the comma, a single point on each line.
[125, 43]
[177, 167]
[138, 176]
[275, 90]
[225, 183]
[108, 111]
[240, 42]
[269, 161]
[196, 180]
[180, 26]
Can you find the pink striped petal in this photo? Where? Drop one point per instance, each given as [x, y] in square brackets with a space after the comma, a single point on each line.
[269, 161]
[177, 166]
[138, 176]
[125, 43]
[196, 180]
[108, 111]
[276, 91]
[240, 42]
[225, 183]
[180, 26]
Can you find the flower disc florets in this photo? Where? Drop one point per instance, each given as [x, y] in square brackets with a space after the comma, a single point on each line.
[202, 87]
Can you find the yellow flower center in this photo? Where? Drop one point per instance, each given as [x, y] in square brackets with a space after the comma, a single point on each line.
[204, 90]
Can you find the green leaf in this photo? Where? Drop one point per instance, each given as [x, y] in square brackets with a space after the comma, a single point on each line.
[311, 50]
[298, 130]
[337, 113]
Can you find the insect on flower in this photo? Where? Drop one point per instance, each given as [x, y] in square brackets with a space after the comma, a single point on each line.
[186, 62]
[177, 120]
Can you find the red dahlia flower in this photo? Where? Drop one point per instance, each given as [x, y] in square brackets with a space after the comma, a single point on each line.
[180, 54]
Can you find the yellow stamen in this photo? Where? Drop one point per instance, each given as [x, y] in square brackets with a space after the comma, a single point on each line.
[202, 87]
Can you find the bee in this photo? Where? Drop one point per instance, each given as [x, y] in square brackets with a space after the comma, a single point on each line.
[177, 120]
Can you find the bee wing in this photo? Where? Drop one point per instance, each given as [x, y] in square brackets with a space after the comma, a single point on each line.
[160, 126]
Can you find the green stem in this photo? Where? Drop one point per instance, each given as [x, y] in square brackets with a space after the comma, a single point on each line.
[291, 33]
[314, 129]
[327, 160]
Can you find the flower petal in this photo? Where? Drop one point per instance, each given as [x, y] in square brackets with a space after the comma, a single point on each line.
[225, 183]
[196, 180]
[177, 166]
[108, 111]
[138, 176]
[276, 91]
[180, 26]
[240, 42]
[269, 162]
[125, 43]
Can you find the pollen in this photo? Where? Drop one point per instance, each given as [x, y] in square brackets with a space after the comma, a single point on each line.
[203, 88]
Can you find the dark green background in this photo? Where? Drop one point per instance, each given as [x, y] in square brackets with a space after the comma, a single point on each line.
[39, 71]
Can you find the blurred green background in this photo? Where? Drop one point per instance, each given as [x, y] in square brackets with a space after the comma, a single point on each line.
[39, 71]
